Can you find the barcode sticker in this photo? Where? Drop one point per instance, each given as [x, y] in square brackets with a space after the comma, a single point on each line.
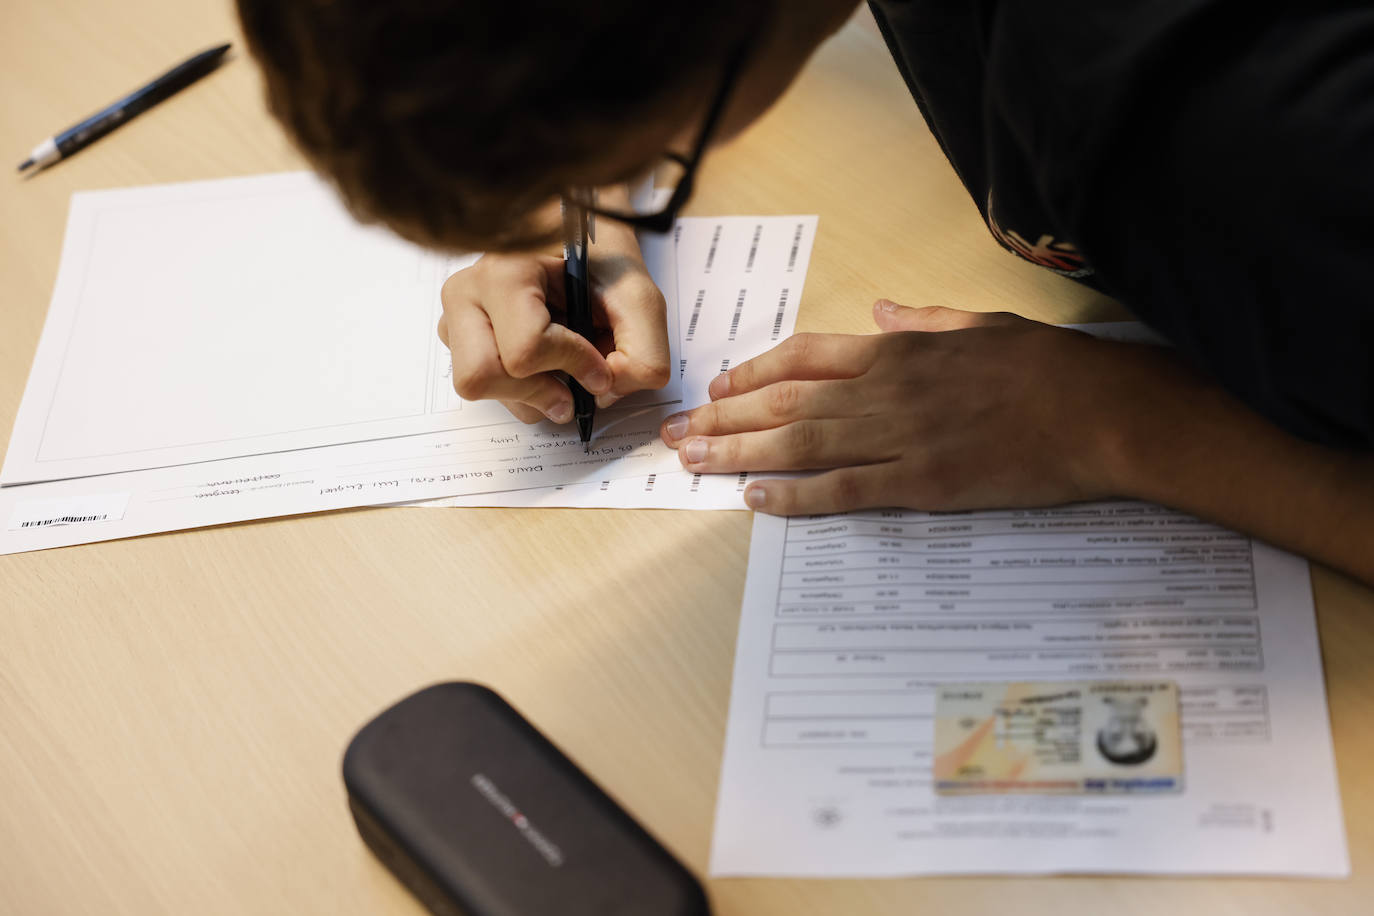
[739, 312]
[68, 510]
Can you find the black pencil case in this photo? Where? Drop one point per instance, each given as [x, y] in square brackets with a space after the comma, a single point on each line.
[479, 814]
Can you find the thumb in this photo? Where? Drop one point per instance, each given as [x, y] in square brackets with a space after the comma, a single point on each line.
[893, 317]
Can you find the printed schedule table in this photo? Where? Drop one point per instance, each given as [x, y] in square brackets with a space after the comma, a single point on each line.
[1041, 592]
[851, 622]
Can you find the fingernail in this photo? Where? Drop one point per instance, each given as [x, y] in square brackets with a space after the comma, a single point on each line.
[696, 451]
[720, 386]
[755, 497]
[597, 382]
[887, 305]
[560, 413]
[676, 426]
[606, 400]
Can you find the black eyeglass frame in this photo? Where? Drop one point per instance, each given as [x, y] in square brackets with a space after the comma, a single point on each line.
[662, 221]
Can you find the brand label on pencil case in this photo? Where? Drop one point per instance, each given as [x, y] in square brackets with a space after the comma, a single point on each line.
[68, 510]
[1076, 737]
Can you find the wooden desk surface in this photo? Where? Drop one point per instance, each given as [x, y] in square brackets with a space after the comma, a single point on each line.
[173, 708]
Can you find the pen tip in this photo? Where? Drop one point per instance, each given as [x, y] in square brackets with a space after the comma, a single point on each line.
[27, 163]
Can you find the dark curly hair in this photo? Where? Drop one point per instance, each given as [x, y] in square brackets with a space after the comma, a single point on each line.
[455, 121]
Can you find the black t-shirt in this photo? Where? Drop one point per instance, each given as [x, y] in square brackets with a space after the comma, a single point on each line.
[1210, 164]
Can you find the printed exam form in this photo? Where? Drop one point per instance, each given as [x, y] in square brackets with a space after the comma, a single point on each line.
[849, 621]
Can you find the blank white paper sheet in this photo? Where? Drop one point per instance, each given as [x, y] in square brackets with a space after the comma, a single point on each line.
[219, 319]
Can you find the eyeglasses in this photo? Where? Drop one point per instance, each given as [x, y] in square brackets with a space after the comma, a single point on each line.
[685, 166]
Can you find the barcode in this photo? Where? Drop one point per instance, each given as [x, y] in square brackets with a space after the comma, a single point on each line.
[739, 310]
[782, 310]
[677, 233]
[725, 365]
[79, 509]
[743, 478]
[649, 484]
[796, 247]
[696, 314]
[715, 241]
[696, 482]
[605, 485]
[63, 520]
[754, 248]
[681, 368]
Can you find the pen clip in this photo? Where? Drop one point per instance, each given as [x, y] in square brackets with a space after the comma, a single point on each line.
[573, 239]
[589, 218]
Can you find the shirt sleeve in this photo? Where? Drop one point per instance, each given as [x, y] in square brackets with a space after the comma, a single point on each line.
[1214, 162]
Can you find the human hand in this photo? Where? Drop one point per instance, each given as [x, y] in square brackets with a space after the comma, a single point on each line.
[500, 326]
[945, 410]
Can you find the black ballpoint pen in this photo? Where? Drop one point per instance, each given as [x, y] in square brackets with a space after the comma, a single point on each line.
[577, 287]
[81, 135]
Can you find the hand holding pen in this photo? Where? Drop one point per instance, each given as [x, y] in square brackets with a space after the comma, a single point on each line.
[507, 323]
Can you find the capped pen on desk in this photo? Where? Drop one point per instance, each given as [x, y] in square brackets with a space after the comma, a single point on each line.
[83, 134]
[577, 235]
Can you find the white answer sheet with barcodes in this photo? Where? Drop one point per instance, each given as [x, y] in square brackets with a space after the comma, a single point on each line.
[745, 276]
[850, 621]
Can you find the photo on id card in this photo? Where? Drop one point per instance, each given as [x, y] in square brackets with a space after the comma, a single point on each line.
[1077, 737]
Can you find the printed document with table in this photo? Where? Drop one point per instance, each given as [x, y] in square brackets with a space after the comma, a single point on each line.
[853, 623]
